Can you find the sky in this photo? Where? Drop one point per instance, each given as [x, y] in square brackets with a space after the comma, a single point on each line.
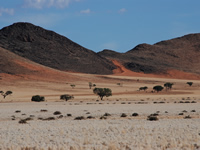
[118, 25]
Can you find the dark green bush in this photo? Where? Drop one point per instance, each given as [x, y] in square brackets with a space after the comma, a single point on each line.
[38, 98]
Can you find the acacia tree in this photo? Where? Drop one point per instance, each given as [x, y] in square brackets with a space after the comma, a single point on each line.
[158, 88]
[102, 92]
[91, 85]
[168, 85]
[72, 85]
[66, 97]
[190, 83]
[5, 94]
[143, 88]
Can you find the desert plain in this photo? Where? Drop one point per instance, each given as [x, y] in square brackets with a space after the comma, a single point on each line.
[87, 123]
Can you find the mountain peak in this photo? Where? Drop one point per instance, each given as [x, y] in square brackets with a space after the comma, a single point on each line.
[51, 49]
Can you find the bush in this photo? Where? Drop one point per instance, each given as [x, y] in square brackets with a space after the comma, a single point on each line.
[189, 83]
[22, 121]
[57, 113]
[107, 114]
[143, 88]
[123, 115]
[66, 97]
[38, 98]
[69, 115]
[158, 88]
[79, 118]
[187, 117]
[152, 118]
[135, 114]
[90, 117]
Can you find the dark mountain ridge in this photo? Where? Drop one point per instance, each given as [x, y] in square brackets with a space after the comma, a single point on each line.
[55, 51]
[181, 54]
[51, 49]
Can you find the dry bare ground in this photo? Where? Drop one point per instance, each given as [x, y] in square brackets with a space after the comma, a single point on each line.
[44, 130]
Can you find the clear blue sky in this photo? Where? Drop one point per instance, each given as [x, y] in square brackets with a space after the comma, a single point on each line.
[119, 25]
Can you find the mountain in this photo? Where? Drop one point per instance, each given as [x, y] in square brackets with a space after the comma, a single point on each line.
[51, 49]
[29, 49]
[14, 67]
[181, 54]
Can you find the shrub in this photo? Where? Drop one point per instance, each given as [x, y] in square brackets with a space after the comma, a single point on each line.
[72, 85]
[22, 121]
[187, 117]
[135, 114]
[61, 116]
[103, 117]
[107, 114]
[143, 88]
[152, 118]
[158, 88]
[43, 110]
[5, 94]
[57, 113]
[66, 97]
[168, 85]
[38, 98]
[69, 115]
[189, 83]
[90, 117]
[48, 119]
[123, 115]
[17, 111]
[79, 118]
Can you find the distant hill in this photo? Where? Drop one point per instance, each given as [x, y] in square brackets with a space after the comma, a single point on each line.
[181, 54]
[23, 44]
[51, 49]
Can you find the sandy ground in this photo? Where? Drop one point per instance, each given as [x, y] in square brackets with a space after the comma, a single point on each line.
[171, 131]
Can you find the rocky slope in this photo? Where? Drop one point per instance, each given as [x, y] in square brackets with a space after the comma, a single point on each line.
[181, 54]
[51, 49]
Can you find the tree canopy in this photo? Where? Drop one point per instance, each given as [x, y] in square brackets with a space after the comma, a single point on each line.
[168, 85]
[102, 92]
[66, 97]
[158, 88]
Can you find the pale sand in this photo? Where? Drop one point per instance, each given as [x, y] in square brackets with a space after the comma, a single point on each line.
[170, 132]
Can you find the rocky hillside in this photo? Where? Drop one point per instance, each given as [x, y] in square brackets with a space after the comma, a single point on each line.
[181, 54]
[51, 49]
